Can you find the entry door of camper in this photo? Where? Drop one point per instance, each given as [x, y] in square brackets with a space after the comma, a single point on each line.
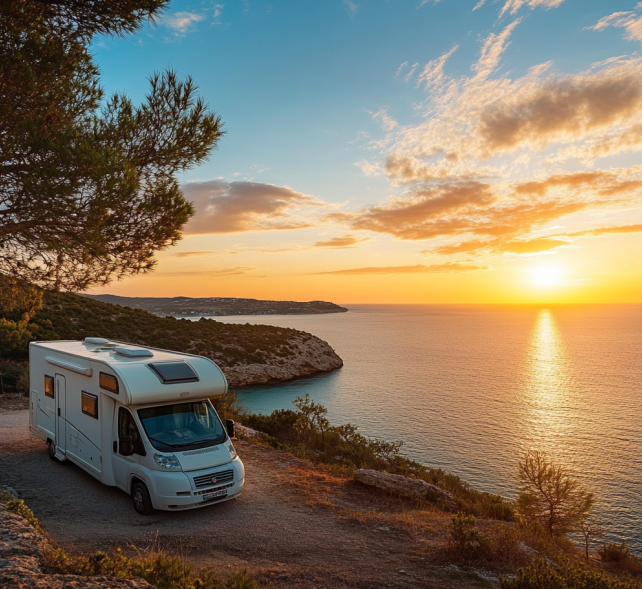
[61, 420]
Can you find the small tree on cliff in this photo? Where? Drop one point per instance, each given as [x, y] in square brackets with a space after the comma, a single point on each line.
[550, 496]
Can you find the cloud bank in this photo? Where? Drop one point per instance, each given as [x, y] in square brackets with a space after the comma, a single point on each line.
[237, 207]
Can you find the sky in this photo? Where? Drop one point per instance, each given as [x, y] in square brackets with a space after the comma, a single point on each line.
[404, 151]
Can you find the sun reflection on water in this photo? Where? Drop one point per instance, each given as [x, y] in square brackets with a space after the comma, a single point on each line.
[547, 382]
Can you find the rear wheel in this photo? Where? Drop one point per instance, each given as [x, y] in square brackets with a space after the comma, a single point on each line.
[142, 500]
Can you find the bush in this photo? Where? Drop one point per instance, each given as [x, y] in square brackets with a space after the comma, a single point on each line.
[619, 557]
[19, 507]
[463, 536]
[541, 574]
[162, 571]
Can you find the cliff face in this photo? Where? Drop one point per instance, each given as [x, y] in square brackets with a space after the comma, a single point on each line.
[311, 356]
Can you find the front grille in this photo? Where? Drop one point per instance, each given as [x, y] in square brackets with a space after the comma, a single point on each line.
[205, 480]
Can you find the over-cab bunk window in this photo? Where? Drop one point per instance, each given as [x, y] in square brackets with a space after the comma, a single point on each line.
[174, 372]
[108, 382]
[90, 404]
[49, 386]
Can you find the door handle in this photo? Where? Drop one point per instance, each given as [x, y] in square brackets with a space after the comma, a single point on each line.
[58, 411]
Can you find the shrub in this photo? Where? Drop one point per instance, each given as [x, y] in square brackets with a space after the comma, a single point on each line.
[19, 507]
[162, 571]
[541, 574]
[463, 535]
[619, 557]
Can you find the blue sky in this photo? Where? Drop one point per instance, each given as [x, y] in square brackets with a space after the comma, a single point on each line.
[315, 98]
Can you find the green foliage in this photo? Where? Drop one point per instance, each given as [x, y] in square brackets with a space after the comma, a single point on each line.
[66, 316]
[550, 496]
[19, 507]
[157, 568]
[14, 377]
[463, 535]
[307, 433]
[541, 574]
[88, 188]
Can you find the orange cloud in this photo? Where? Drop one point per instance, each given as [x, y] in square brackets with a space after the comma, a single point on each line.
[341, 242]
[607, 231]
[191, 254]
[417, 269]
[234, 207]
[562, 109]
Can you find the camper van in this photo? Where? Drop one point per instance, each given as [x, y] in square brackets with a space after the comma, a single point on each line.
[136, 418]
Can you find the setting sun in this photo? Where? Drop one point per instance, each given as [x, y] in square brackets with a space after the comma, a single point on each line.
[547, 275]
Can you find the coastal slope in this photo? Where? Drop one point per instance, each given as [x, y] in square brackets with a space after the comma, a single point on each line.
[247, 354]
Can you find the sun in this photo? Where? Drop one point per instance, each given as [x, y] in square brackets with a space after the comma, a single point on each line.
[547, 275]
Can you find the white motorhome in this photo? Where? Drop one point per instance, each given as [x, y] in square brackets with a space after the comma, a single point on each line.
[136, 418]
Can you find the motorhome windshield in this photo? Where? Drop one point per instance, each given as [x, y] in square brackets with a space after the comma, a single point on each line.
[184, 426]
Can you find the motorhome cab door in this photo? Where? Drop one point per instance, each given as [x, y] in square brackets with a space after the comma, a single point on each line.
[61, 418]
[124, 465]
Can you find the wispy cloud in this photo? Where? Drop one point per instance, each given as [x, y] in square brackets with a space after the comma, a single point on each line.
[235, 207]
[630, 20]
[192, 254]
[351, 7]
[341, 242]
[210, 272]
[416, 269]
[181, 22]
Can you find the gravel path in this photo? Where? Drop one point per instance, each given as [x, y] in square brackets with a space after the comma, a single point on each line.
[270, 528]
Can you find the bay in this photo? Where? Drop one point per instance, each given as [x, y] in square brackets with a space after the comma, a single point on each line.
[470, 388]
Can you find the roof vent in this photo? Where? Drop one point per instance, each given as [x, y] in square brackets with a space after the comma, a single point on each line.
[97, 341]
[174, 372]
[133, 352]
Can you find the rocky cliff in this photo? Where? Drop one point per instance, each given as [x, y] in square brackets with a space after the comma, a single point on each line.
[311, 355]
[22, 563]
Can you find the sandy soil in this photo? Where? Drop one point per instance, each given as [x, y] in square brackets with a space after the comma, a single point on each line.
[291, 524]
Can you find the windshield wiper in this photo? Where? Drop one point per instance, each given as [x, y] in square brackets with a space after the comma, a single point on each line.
[166, 443]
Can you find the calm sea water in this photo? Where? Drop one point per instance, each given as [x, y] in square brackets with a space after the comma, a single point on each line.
[469, 389]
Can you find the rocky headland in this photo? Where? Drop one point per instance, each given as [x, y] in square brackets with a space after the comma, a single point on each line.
[247, 354]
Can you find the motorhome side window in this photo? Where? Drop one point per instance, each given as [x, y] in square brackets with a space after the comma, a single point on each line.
[89, 404]
[127, 427]
[108, 382]
[49, 386]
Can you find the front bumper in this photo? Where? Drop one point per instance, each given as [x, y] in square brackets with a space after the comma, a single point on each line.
[175, 491]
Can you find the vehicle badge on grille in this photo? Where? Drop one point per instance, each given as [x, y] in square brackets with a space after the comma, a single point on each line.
[214, 480]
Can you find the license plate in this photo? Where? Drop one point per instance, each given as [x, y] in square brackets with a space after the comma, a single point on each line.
[217, 494]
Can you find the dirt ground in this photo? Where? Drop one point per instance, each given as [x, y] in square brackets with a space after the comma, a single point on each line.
[293, 524]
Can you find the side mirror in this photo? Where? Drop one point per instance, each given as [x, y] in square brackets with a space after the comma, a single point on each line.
[126, 445]
[229, 426]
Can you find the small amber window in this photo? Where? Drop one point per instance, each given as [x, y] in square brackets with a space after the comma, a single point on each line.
[49, 386]
[90, 404]
[108, 382]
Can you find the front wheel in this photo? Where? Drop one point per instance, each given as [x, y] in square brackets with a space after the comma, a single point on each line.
[142, 500]
[51, 450]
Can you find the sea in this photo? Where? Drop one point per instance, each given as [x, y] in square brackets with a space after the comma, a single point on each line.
[469, 389]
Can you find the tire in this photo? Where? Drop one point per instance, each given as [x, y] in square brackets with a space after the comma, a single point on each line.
[142, 500]
[51, 450]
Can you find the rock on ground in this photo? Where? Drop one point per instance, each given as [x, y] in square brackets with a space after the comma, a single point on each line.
[22, 565]
[406, 487]
[313, 355]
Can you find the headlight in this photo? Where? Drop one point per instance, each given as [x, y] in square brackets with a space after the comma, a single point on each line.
[167, 461]
[232, 450]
